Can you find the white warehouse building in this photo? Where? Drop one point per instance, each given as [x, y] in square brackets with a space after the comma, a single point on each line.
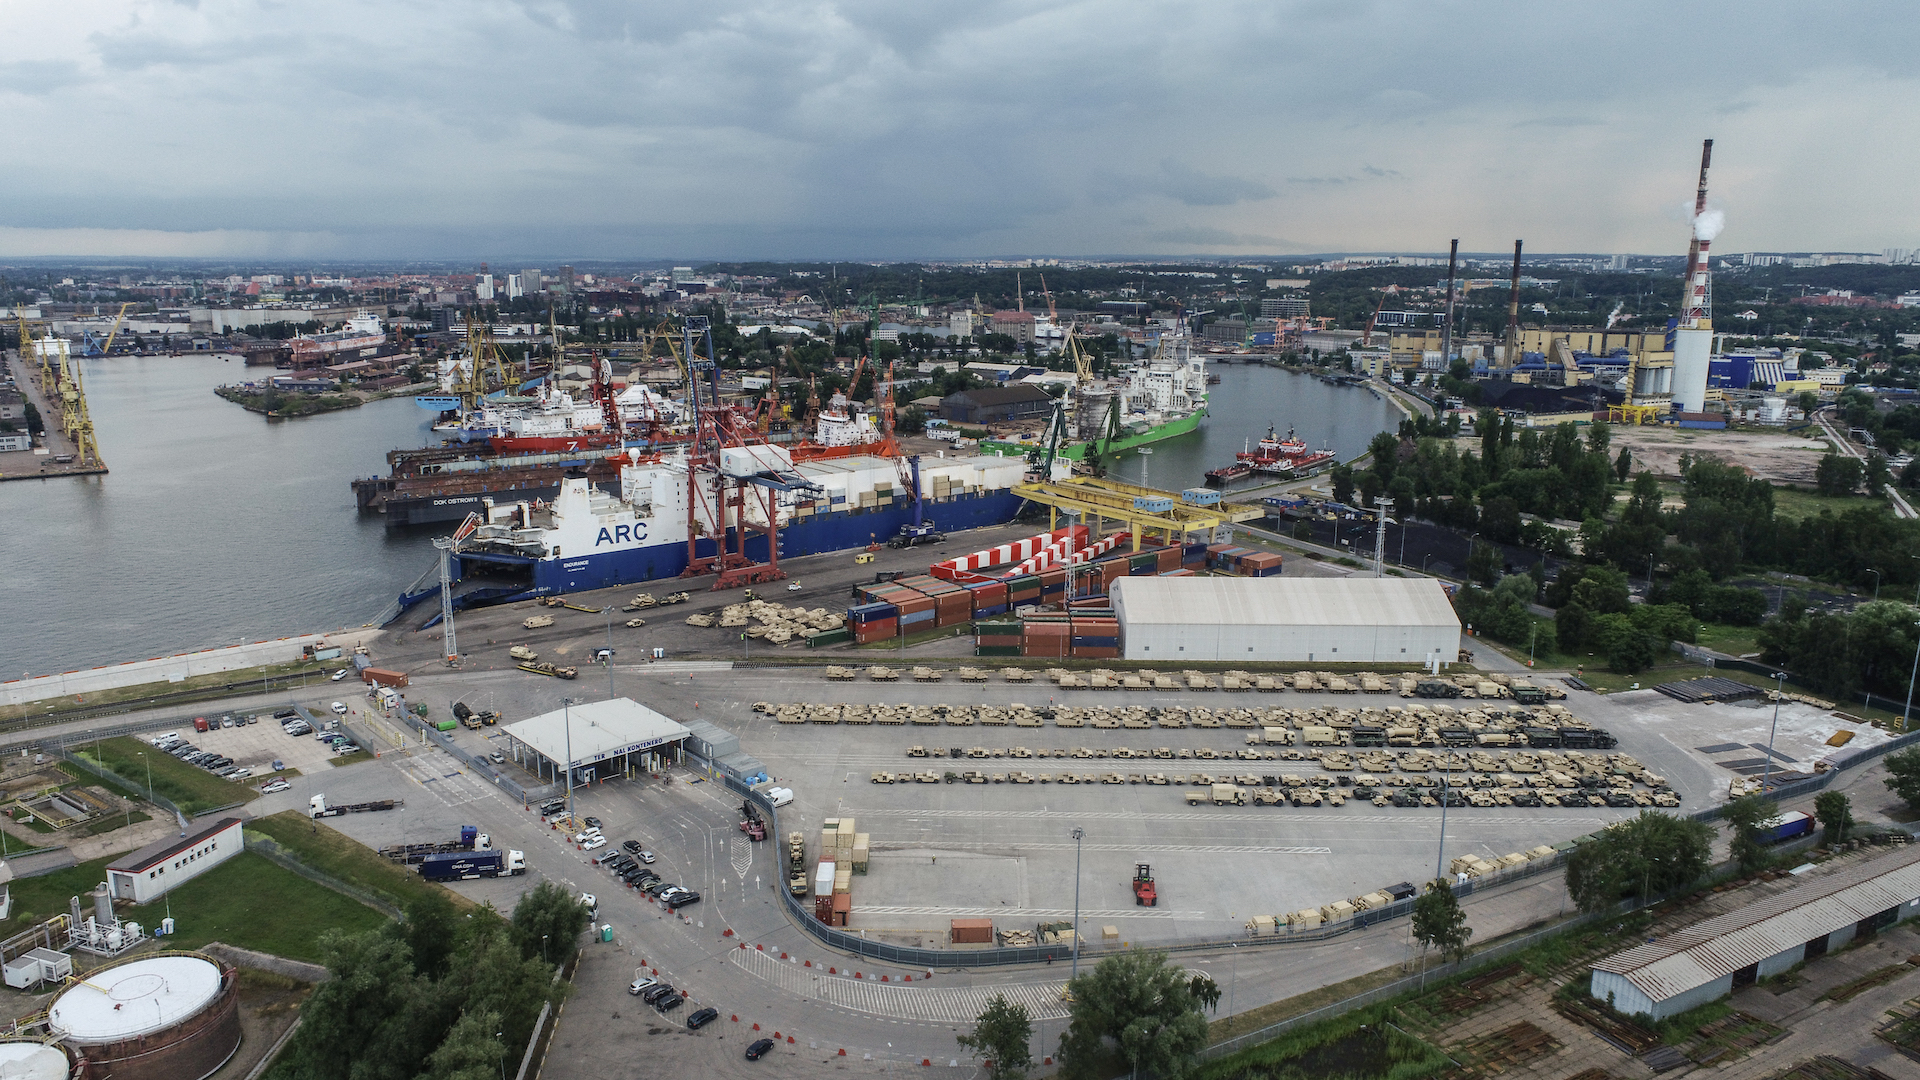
[1710, 960]
[1317, 620]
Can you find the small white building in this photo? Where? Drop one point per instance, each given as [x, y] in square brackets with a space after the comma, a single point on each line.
[1331, 620]
[1712, 959]
[144, 875]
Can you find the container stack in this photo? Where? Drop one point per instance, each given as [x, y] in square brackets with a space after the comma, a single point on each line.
[989, 598]
[1246, 562]
[1000, 637]
[823, 878]
[873, 622]
[860, 853]
[1096, 637]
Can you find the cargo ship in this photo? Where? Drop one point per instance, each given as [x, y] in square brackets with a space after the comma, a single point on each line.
[587, 537]
[1160, 397]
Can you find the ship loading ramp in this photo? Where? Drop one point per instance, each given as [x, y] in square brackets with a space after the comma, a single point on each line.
[1145, 511]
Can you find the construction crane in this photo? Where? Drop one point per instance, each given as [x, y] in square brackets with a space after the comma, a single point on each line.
[91, 346]
[1366, 342]
[74, 418]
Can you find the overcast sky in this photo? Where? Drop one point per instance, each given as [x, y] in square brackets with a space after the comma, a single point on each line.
[583, 129]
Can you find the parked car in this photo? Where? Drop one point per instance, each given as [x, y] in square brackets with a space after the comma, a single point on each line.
[591, 822]
[497, 758]
[669, 1003]
[758, 1049]
[641, 986]
[284, 714]
[346, 748]
[272, 786]
[590, 902]
[338, 675]
[240, 774]
[659, 991]
[594, 843]
[702, 1018]
[645, 856]
[681, 899]
[632, 845]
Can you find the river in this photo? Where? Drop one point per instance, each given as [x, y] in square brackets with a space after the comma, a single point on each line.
[217, 526]
[1247, 399]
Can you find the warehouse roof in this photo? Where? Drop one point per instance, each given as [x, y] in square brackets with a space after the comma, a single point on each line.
[599, 730]
[1284, 601]
[1721, 946]
[998, 395]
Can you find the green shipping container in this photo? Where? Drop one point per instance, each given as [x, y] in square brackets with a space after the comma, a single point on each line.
[831, 637]
[446, 725]
[996, 650]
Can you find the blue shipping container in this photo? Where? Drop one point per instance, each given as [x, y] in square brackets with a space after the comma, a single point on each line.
[1097, 642]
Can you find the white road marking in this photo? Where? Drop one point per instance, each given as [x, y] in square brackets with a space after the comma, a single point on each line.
[1236, 849]
[1332, 815]
[742, 856]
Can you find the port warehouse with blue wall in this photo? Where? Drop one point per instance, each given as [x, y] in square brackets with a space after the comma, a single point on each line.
[1708, 961]
[600, 740]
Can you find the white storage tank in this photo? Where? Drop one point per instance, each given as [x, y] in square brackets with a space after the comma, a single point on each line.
[161, 1018]
[33, 1061]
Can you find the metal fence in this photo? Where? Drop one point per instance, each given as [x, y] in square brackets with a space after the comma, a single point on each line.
[273, 852]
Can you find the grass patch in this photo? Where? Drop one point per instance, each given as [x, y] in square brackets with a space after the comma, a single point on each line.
[331, 852]
[1675, 1030]
[87, 779]
[225, 904]
[1732, 640]
[31, 820]
[1355, 1045]
[37, 898]
[351, 759]
[109, 822]
[1797, 503]
[192, 789]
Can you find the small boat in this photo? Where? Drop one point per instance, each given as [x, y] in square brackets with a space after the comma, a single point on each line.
[1227, 474]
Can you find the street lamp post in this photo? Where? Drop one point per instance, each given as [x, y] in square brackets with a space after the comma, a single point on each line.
[1876, 582]
[149, 761]
[1078, 835]
[1423, 561]
[1779, 685]
[608, 611]
[1906, 714]
[566, 720]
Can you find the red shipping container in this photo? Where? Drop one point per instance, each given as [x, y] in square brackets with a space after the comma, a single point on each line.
[823, 909]
[1088, 653]
[971, 932]
[1113, 570]
[1167, 559]
[1049, 628]
[998, 640]
[1178, 573]
[1047, 647]
[1054, 578]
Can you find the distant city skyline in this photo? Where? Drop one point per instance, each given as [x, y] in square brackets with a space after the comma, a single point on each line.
[592, 130]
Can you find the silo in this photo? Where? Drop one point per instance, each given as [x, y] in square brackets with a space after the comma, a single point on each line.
[25, 1060]
[160, 1018]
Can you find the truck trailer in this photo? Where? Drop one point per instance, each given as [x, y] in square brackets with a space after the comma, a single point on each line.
[463, 865]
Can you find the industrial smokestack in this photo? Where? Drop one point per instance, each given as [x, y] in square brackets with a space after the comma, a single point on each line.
[1446, 339]
[1510, 355]
[1693, 331]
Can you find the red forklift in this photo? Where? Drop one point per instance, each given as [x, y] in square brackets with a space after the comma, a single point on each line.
[1144, 894]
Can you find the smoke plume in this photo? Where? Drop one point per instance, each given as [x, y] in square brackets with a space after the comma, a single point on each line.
[1709, 223]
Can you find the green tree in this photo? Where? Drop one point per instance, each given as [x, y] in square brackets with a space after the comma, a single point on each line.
[1744, 817]
[1483, 562]
[1877, 475]
[1808, 401]
[1646, 856]
[1343, 484]
[547, 923]
[472, 1050]
[1140, 1005]
[432, 929]
[1623, 465]
[1205, 991]
[1000, 1035]
[1903, 776]
[1438, 922]
[1837, 474]
[1835, 812]
[35, 425]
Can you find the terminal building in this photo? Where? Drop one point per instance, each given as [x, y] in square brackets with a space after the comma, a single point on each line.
[1713, 959]
[1314, 620]
[599, 740]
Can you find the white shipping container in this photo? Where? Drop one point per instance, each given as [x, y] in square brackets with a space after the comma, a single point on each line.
[823, 880]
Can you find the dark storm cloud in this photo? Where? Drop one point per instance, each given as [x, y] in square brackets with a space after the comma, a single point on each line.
[857, 128]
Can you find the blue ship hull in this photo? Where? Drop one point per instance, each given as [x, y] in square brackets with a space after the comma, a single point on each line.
[842, 531]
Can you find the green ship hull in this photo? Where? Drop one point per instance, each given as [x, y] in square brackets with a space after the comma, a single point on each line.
[1077, 451]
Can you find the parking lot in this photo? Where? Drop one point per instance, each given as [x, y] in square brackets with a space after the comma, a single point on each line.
[257, 746]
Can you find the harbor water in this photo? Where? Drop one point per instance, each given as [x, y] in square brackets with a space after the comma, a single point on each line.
[1242, 405]
[214, 526]
[218, 526]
